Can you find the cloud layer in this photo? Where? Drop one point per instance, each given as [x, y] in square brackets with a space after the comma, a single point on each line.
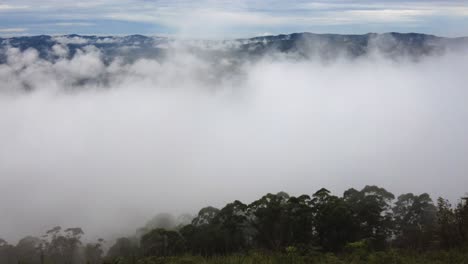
[107, 145]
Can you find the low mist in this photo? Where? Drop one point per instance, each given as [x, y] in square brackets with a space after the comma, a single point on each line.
[106, 145]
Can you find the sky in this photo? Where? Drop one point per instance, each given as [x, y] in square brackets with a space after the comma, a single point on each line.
[231, 18]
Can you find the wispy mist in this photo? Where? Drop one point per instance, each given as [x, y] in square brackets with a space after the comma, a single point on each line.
[107, 145]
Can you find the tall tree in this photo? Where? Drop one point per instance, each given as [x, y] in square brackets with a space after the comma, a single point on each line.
[202, 235]
[28, 250]
[447, 232]
[63, 246]
[93, 252]
[123, 248]
[462, 219]
[205, 216]
[269, 218]
[161, 242]
[415, 220]
[7, 253]
[232, 224]
[299, 220]
[333, 223]
[371, 207]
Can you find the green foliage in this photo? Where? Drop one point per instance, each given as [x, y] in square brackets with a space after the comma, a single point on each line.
[371, 212]
[360, 227]
[124, 248]
[160, 242]
[269, 219]
[414, 221]
[387, 257]
[333, 222]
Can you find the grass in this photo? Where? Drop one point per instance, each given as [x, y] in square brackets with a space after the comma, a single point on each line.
[387, 257]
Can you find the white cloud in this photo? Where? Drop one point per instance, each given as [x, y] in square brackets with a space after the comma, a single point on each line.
[60, 50]
[8, 7]
[385, 15]
[70, 40]
[106, 40]
[13, 30]
[84, 65]
[94, 142]
[74, 24]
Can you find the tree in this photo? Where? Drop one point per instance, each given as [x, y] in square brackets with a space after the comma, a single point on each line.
[462, 219]
[28, 250]
[161, 242]
[7, 253]
[63, 247]
[415, 220]
[203, 240]
[232, 225]
[205, 216]
[123, 248]
[333, 223]
[447, 231]
[203, 236]
[93, 252]
[299, 220]
[269, 218]
[371, 208]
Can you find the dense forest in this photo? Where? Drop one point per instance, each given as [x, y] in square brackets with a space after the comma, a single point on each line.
[362, 226]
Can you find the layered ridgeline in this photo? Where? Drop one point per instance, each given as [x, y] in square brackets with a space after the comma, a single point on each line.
[300, 45]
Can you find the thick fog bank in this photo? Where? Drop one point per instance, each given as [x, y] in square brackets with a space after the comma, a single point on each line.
[107, 145]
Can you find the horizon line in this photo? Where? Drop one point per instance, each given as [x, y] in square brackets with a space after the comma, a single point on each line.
[169, 36]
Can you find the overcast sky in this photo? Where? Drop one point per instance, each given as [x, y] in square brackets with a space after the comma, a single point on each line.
[231, 18]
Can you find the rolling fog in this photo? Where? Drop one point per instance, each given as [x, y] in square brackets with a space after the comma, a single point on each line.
[106, 146]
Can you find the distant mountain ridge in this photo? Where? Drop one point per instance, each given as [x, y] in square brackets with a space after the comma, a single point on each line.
[392, 43]
[303, 45]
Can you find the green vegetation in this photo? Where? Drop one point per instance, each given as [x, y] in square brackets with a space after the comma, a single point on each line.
[387, 257]
[362, 226]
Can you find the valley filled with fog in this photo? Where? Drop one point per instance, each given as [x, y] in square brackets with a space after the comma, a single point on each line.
[104, 141]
